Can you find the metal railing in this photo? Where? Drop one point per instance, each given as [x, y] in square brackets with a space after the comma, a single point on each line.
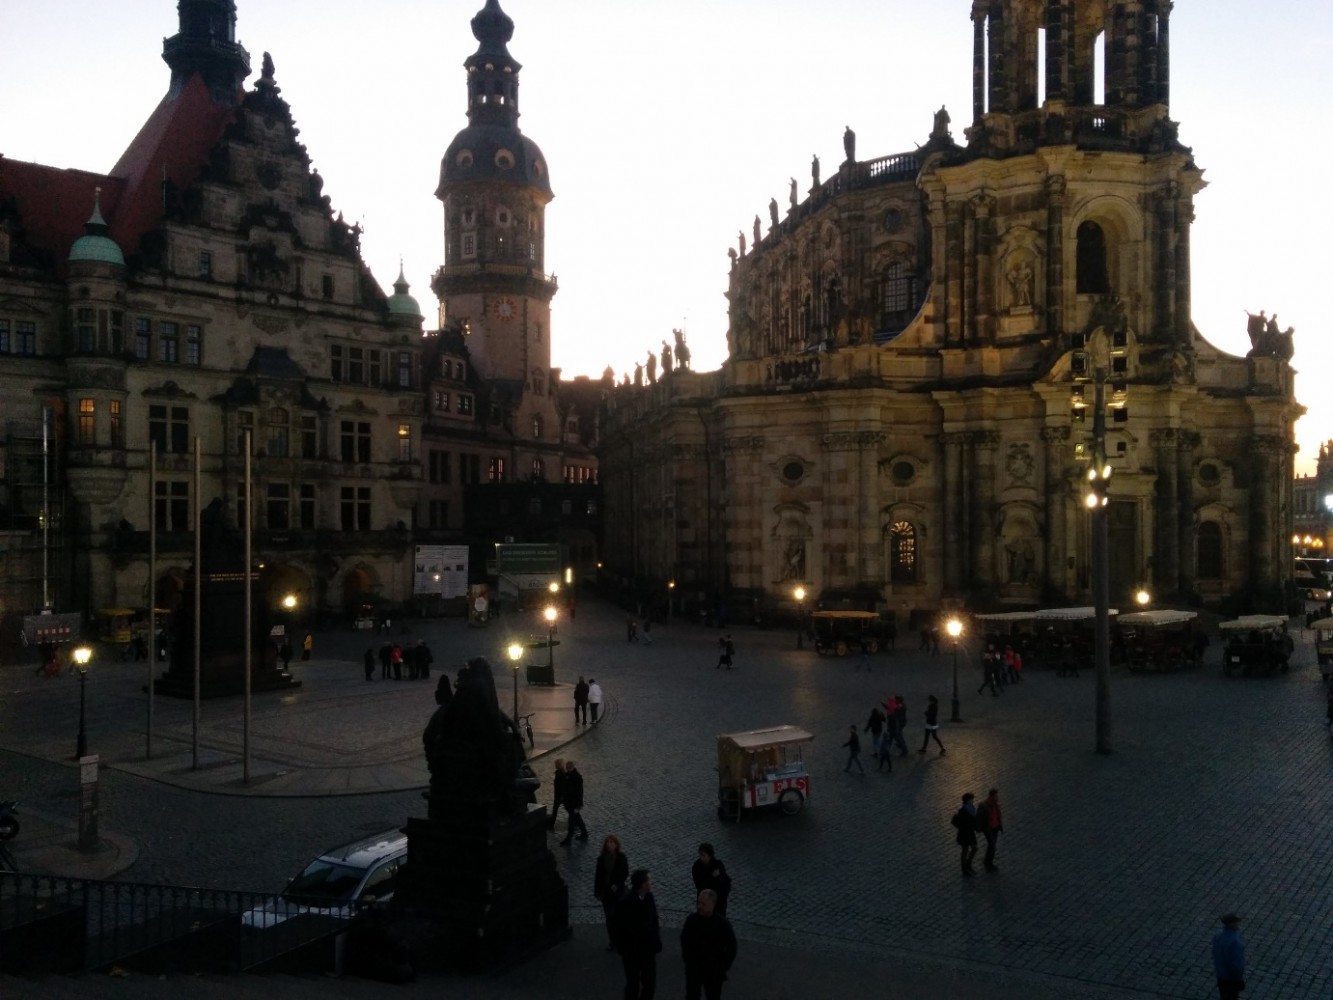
[50, 924]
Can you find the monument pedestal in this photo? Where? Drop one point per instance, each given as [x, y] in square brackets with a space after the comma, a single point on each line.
[479, 891]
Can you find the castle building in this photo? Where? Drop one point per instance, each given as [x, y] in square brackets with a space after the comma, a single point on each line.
[918, 345]
[212, 296]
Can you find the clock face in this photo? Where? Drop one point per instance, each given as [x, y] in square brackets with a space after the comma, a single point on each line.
[504, 308]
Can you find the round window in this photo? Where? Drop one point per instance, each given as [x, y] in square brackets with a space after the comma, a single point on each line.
[903, 473]
[504, 159]
[464, 158]
[1210, 474]
[793, 471]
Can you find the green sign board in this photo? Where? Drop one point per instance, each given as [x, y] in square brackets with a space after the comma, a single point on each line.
[531, 559]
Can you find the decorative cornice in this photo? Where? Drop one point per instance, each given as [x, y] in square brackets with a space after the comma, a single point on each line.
[852, 440]
[744, 443]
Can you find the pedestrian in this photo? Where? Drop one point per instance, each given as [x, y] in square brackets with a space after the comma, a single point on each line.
[396, 661]
[386, 660]
[1229, 958]
[895, 724]
[647, 631]
[990, 668]
[631, 630]
[594, 698]
[581, 702]
[708, 948]
[932, 725]
[285, 654]
[609, 882]
[1013, 664]
[574, 803]
[558, 789]
[924, 647]
[307, 646]
[370, 664]
[875, 727]
[708, 872]
[935, 640]
[991, 824]
[965, 822]
[728, 650]
[1329, 712]
[424, 659]
[853, 746]
[639, 937]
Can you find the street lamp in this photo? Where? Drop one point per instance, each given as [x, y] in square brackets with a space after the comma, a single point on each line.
[799, 594]
[671, 592]
[550, 615]
[1142, 598]
[955, 628]
[82, 655]
[289, 601]
[515, 652]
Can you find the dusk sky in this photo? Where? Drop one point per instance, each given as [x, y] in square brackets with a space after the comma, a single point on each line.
[669, 126]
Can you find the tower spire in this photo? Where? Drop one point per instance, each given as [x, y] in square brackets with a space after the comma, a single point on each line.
[206, 44]
[492, 73]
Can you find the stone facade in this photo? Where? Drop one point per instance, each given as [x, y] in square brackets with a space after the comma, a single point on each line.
[905, 417]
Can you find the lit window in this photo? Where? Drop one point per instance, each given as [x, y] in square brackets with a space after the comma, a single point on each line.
[902, 553]
[404, 442]
[87, 425]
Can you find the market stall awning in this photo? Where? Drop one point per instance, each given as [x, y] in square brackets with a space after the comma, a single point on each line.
[1158, 617]
[1246, 622]
[1070, 614]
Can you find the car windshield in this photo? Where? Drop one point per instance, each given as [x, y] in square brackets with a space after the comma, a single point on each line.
[325, 880]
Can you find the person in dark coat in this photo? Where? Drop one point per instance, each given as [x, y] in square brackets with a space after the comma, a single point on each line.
[581, 702]
[422, 660]
[710, 873]
[932, 725]
[965, 822]
[574, 803]
[610, 880]
[639, 937]
[1229, 958]
[708, 947]
[558, 788]
[386, 659]
[285, 653]
[875, 727]
[990, 822]
[370, 664]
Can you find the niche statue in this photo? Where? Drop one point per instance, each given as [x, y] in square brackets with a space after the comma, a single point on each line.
[474, 752]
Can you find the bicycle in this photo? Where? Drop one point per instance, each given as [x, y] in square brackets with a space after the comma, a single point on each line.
[526, 722]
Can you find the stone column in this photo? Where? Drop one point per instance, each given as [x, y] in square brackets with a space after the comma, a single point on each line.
[969, 271]
[999, 76]
[1264, 486]
[951, 493]
[1164, 284]
[982, 264]
[1056, 440]
[1166, 506]
[1188, 549]
[982, 490]
[978, 64]
[1164, 52]
[1184, 219]
[1150, 57]
[953, 278]
[1056, 73]
[1055, 255]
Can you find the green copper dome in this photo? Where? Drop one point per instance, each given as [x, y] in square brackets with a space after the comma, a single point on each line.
[95, 245]
[400, 303]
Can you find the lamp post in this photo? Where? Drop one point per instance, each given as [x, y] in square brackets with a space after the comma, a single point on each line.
[550, 615]
[82, 655]
[515, 652]
[799, 594]
[671, 593]
[955, 628]
[1142, 598]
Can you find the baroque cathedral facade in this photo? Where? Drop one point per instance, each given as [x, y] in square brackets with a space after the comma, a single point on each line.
[919, 343]
[204, 293]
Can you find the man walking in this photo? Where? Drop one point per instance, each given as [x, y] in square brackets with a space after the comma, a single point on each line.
[574, 803]
[853, 746]
[965, 822]
[386, 658]
[708, 947]
[581, 702]
[370, 664]
[639, 937]
[558, 789]
[933, 726]
[991, 825]
[990, 668]
[895, 723]
[594, 698]
[708, 872]
[1229, 958]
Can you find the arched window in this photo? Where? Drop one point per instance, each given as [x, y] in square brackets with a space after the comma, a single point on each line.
[1210, 551]
[538, 425]
[902, 553]
[895, 297]
[1092, 276]
[538, 469]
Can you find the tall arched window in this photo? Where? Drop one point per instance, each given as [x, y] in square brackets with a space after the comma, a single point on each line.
[538, 469]
[902, 553]
[538, 426]
[895, 297]
[1092, 275]
[1209, 551]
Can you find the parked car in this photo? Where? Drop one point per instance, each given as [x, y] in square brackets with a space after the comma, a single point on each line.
[364, 870]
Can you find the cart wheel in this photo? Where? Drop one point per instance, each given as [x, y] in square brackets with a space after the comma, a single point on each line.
[790, 802]
[728, 805]
[840, 648]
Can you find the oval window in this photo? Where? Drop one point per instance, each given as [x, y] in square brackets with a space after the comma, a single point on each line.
[1210, 474]
[793, 471]
[464, 158]
[504, 159]
[903, 473]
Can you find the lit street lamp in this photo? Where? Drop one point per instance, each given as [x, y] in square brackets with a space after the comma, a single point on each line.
[955, 628]
[799, 594]
[82, 655]
[550, 615]
[1142, 598]
[515, 652]
[289, 602]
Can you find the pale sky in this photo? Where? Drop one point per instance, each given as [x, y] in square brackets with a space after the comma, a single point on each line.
[668, 126]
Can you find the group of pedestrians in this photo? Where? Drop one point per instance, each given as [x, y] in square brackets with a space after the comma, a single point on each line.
[971, 819]
[587, 698]
[886, 725]
[707, 941]
[1000, 669]
[393, 658]
[568, 789]
[632, 632]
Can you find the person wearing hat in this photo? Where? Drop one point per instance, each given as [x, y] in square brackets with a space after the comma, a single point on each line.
[1229, 958]
[638, 937]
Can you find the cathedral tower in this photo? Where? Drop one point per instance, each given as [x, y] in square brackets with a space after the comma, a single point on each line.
[495, 186]
[206, 44]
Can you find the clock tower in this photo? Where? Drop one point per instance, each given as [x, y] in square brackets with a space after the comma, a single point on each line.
[495, 186]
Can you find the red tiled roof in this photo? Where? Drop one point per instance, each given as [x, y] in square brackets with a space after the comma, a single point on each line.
[53, 204]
